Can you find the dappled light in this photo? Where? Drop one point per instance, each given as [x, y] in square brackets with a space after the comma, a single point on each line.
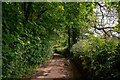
[60, 41]
[55, 68]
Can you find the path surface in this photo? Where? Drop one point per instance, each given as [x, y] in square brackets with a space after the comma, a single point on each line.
[56, 69]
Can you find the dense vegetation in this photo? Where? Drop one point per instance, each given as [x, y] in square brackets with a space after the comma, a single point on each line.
[32, 31]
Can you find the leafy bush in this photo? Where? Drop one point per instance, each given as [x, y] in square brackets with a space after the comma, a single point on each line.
[25, 45]
[99, 56]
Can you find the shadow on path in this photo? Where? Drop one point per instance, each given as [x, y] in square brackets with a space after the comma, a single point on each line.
[56, 69]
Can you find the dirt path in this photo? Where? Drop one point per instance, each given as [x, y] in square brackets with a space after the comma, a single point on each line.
[56, 69]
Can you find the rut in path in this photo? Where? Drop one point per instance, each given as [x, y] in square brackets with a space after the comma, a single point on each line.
[57, 68]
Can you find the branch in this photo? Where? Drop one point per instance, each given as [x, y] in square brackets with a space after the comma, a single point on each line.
[27, 8]
[42, 12]
[99, 4]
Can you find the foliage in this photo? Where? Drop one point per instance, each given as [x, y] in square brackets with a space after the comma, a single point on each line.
[25, 44]
[31, 31]
[99, 57]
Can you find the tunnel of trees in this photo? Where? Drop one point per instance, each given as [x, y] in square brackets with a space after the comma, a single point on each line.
[87, 33]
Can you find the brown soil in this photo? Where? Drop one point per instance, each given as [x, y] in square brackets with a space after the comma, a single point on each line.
[56, 69]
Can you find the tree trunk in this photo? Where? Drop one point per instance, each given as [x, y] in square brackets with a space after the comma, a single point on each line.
[69, 45]
[74, 35]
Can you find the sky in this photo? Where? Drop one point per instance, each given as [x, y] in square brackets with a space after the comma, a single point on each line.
[109, 19]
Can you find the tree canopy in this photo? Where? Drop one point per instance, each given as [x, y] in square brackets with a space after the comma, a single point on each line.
[33, 30]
